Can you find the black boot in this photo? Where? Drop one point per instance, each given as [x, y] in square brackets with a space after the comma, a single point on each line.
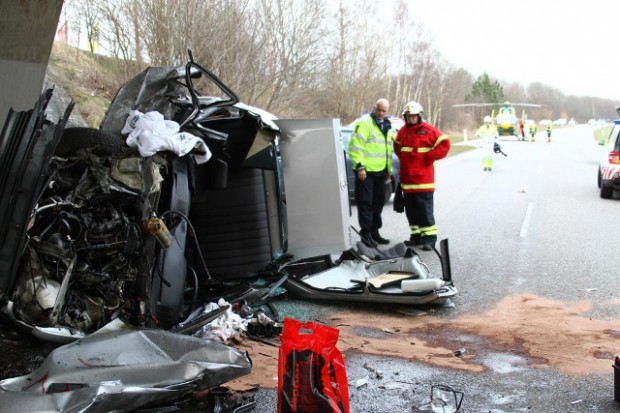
[368, 241]
[413, 241]
[380, 240]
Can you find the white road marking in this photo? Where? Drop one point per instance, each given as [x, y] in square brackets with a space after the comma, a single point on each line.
[526, 220]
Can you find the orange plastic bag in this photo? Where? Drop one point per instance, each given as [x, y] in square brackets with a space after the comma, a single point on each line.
[311, 373]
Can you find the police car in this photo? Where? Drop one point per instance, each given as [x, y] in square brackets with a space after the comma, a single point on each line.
[609, 165]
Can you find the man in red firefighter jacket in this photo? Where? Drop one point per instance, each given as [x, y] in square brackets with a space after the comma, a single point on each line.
[418, 145]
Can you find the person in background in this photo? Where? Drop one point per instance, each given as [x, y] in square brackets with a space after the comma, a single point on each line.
[418, 145]
[488, 133]
[549, 132]
[533, 130]
[370, 150]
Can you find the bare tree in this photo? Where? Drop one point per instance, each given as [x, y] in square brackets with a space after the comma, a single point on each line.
[231, 45]
[403, 51]
[86, 14]
[292, 52]
[358, 49]
[119, 32]
[305, 59]
[164, 27]
[458, 85]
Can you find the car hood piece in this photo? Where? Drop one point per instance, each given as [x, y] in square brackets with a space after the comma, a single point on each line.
[121, 371]
[385, 278]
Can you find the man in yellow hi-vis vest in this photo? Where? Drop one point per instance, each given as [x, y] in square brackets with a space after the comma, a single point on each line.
[370, 150]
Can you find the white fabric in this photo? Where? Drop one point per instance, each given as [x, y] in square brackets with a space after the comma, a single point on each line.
[151, 133]
[224, 328]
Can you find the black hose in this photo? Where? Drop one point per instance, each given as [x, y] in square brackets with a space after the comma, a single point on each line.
[191, 227]
[195, 295]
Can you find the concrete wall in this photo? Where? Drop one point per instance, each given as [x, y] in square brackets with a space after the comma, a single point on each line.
[27, 29]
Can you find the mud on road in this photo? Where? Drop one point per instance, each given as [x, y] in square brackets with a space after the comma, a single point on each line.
[552, 346]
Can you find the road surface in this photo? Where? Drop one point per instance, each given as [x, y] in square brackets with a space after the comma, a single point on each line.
[534, 255]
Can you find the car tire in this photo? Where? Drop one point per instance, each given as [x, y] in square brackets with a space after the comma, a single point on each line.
[600, 178]
[101, 142]
[607, 192]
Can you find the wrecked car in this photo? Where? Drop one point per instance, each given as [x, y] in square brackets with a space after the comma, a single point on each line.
[175, 199]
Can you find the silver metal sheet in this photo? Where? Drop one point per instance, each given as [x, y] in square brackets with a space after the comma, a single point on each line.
[317, 195]
[346, 282]
[122, 371]
[341, 276]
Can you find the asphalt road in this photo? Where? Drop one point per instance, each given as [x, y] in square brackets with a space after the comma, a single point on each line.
[534, 256]
[534, 224]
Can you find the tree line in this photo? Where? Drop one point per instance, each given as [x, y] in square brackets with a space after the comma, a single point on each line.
[313, 58]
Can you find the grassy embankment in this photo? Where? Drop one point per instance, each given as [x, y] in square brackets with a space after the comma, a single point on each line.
[456, 147]
[601, 135]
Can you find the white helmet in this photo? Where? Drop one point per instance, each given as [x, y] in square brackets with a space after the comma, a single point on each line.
[487, 119]
[413, 108]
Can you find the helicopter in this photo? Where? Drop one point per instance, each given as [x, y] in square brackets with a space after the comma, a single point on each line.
[506, 120]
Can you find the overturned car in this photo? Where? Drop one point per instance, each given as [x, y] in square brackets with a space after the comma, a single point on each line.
[176, 198]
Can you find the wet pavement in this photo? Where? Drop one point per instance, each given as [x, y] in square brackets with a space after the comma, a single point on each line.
[21, 354]
[508, 378]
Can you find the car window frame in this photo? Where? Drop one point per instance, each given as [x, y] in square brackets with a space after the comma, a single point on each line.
[614, 139]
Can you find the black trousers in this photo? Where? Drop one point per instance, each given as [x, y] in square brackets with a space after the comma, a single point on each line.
[370, 197]
[419, 211]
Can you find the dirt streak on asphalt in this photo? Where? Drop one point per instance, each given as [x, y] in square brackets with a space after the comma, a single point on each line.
[542, 331]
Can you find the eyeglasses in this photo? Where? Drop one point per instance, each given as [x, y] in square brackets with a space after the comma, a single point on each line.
[444, 399]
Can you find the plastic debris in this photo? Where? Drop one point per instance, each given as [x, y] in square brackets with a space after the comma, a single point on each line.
[361, 382]
[459, 352]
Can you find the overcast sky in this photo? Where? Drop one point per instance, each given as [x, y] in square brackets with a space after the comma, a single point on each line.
[574, 47]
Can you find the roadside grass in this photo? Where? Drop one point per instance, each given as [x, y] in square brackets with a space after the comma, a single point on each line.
[458, 146]
[458, 149]
[90, 79]
[602, 135]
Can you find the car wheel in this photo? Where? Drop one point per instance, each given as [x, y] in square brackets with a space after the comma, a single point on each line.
[607, 192]
[101, 142]
[600, 178]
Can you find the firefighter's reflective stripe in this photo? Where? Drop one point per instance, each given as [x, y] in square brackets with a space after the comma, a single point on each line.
[427, 231]
[417, 186]
[425, 149]
[415, 229]
[423, 231]
[439, 140]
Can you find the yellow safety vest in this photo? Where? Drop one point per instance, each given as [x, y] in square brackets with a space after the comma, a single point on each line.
[369, 147]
